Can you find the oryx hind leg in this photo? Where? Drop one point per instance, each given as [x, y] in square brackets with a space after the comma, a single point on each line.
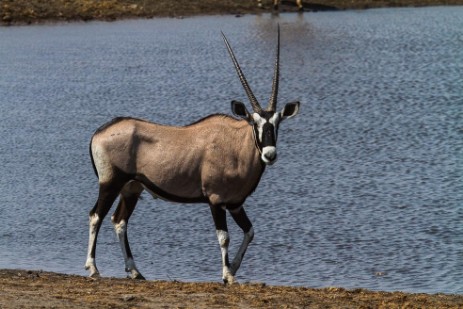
[106, 197]
[128, 200]
[240, 217]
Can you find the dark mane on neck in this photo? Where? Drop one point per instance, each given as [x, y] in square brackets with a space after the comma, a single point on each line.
[211, 116]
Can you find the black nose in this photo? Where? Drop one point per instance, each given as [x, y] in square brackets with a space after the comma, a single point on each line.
[270, 156]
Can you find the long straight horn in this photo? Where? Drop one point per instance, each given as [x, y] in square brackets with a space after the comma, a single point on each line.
[272, 104]
[255, 105]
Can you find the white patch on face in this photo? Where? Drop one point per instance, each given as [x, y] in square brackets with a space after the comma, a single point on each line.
[260, 124]
[257, 118]
[275, 119]
[269, 155]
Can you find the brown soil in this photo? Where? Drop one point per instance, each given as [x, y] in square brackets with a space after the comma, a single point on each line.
[36, 11]
[37, 289]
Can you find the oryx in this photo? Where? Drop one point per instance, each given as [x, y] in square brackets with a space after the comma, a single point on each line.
[217, 160]
[276, 3]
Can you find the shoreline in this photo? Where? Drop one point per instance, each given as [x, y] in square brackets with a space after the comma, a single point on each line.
[24, 12]
[32, 289]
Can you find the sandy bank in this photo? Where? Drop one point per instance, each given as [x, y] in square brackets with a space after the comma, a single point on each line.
[37, 289]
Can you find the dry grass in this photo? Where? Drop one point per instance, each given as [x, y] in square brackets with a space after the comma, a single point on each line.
[34, 11]
[31, 11]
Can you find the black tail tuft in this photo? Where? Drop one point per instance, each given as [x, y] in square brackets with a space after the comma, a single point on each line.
[91, 157]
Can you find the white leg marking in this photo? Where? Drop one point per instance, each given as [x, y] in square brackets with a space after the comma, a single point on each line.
[92, 233]
[121, 230]
[242, 250]
[224, 240]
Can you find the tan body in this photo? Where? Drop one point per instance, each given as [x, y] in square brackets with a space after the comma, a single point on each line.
[197, 163]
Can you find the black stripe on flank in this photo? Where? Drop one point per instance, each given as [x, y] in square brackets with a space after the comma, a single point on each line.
[166, 195]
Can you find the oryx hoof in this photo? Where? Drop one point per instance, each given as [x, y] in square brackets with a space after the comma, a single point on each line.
[94, 273]
[136, 276]
[229, 280]
[95, 276]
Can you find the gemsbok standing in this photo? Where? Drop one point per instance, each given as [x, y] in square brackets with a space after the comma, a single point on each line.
[276, 3]
[217, 160]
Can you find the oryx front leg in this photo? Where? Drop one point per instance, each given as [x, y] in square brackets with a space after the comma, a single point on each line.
[129, 197]
[220, 220]
[240, 217]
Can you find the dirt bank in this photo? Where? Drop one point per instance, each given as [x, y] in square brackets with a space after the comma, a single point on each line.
[37, 289]
[37, 11]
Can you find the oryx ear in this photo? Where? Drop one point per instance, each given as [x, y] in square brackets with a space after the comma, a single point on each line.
[290, 110]
[240, 110]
